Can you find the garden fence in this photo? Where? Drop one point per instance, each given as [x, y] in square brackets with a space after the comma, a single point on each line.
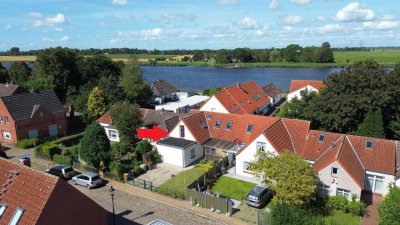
[148, 185]
[263, 217]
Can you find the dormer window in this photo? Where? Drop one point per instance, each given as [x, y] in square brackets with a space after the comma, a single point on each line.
[217, 123]
[321, 138]
[3, 208]
[249, 128]
[369, 144]
[229, 125]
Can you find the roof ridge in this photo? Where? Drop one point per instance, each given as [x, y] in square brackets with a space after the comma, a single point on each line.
[290, 135]
[30, 169]
[329, 148]
[355, 152]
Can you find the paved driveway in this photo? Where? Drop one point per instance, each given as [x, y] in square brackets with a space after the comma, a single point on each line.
[161, 173]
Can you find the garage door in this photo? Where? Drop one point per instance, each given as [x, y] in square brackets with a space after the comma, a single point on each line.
[33, 133]
[53, 130]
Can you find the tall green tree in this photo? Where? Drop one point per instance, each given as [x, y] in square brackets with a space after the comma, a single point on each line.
[3, 74]
[126, 117]
[325, 54]
[14, 51]
[291, 177]
[389, 210]
[372, 126]
[222, 56]
[19, 72]
[292, 53]
[275, 56]
[198, 56]
[96, 67]
[135, 87]
[60, 66]
[96, 103]
[244, 55]
[94, 147]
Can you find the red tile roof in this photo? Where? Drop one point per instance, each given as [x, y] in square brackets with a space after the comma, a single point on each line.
[105, 118]
[279, 137]
[45, 199]
[313, 148]
[195, 124]
[255, 92]
[297, 84]
[298, 130]
[271, 90]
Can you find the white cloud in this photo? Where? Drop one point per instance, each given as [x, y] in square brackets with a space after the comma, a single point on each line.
[292, 20]
[119, 2]
[62, 39]
[262, 31]
[382, 25]
[167, 18]
[354, 12]
[227, 1]
[36, 15]
[273, 5]
[300, 2]
[141, 34]
[321, 19]
[248, 23]
[287, 29]
[51, 21]
[58, 29]
[388, 17]
[150, 34]
[330, 28]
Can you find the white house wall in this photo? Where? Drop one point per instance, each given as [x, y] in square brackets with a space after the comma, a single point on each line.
[187, 154]
[175, 132]
[296, 94]
[213, 105]
[248, 154]
[171, 155]
[343, 180]
[388, 179]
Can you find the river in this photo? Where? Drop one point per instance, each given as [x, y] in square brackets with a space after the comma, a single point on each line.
[195, 77]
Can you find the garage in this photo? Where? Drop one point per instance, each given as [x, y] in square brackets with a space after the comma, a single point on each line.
[179, 152]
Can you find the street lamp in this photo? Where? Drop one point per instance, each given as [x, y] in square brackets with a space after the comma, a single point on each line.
[112, 200]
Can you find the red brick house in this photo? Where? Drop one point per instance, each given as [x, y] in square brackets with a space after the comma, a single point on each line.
[36, 114]
[29, 197]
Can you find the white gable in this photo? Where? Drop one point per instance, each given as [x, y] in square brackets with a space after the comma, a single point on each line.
[176, 132]
[213, 105]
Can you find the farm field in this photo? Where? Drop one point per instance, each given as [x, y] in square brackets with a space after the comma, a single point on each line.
[385, 57]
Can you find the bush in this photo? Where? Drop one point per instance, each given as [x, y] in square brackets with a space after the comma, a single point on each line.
[137, 170]
[70, 140]
[356, 208]
[62, 160]
[283, 214]
[338, 203]
[50, 149]
[27, 143]
[72, 151]
[143, 147]
[118, 168]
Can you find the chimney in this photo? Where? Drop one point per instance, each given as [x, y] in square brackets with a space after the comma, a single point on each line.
[238, 84]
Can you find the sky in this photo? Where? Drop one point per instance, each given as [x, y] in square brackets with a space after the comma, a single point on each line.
[197, 24]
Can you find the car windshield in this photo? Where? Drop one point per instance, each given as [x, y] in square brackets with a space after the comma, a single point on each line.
[253, 197]
[95, 178]
[69, 169]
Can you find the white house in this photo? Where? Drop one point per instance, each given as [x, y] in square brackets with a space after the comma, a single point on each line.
[297, 86]
[241, 98]
[184, 105]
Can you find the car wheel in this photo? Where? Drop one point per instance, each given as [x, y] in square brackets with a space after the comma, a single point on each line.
[74, 182]
[88, 186]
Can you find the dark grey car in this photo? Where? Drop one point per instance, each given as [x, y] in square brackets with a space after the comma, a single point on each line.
[64, 172]
[259, 196]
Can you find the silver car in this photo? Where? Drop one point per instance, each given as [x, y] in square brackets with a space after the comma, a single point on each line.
[87, 179]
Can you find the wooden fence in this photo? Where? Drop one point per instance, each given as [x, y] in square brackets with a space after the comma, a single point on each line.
[148, 185]
[195, 192]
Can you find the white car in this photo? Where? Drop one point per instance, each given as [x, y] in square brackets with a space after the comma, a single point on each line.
[87, 179]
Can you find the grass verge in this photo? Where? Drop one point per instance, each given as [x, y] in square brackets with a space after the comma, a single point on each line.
[232, 188]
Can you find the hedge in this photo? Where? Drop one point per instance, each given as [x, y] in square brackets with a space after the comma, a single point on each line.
[62, 160]
[70, 140]
[27, 143]
[50, 149]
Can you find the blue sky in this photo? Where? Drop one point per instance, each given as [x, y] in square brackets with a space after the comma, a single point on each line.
[194, 24]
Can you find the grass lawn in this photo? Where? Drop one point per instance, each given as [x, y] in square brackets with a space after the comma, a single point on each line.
[341, 218]
[232, 188]
[176, 187]
[385, 57]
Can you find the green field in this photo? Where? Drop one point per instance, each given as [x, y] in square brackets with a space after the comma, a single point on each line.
[385, 57]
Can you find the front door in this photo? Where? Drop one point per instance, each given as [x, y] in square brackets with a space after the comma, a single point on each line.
[53, 130]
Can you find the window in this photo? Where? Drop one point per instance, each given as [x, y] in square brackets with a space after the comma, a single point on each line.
[209, 117]
[6, 120]
[343, 192]
[1, 119]
[321, 138]
[192, 153]
[229, 125]
[322, 190]
[16, 217]
[41, 114]
[3, 208]
[369, 144]
[83, 177]
[203, 124]
[246, 167]
[249, 128]
[217, 123]
[374, 183]
[181, 131]
[6, 135]
[261, 146]
[334, 172]
[112, 134]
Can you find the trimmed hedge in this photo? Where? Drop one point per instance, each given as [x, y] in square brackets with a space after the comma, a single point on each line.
[356, 208]
[70, 140]
[27, 143]
[50, 149]
[62, 160]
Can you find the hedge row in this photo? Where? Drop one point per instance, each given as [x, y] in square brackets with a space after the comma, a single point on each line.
[62, 160]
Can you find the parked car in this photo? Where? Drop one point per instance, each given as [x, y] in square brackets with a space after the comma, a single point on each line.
[259, 196]
[87, 179]
[64, 172]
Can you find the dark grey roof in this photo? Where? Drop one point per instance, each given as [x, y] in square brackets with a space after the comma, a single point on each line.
[163, 87]
[158, 117]
[11, 89]
[21, 106]
[271, 90]
[169, 124]
[176, 142]
[218, 143]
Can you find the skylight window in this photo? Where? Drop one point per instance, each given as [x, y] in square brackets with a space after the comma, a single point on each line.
[229, 125]
[321, 138]
[203, 124]
[217, 123]
[249, 128]
[369, 144]
[3, 208]
[16, 217]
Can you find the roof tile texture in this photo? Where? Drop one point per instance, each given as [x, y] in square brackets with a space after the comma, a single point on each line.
[297, 84]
